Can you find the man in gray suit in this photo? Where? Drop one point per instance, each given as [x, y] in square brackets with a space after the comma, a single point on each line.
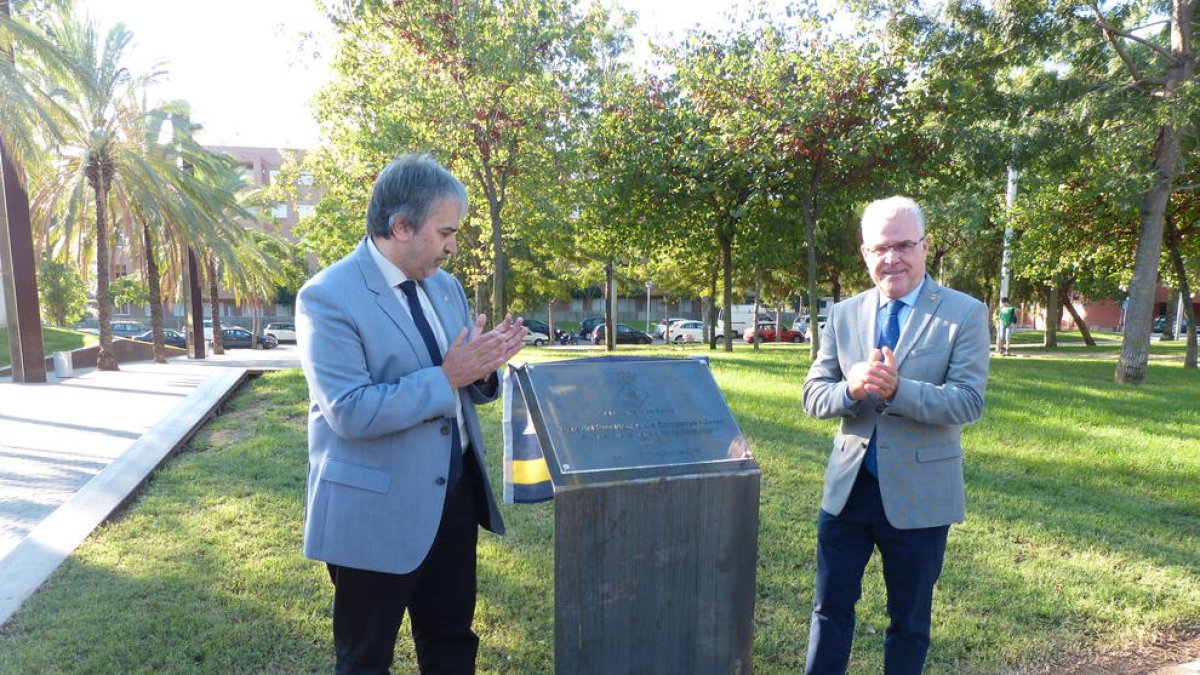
[395, 366]
[904, 365]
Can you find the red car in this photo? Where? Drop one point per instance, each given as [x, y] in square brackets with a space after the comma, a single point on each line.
[766, 333]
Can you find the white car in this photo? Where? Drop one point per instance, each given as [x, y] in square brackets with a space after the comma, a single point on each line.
[688, 330]
[801, 323]
[283, 331]
[661, 326]
[537, 339]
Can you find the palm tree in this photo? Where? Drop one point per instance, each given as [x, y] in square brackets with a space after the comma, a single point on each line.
[98, 147]
[25, 119]
[110, 161]
[201, 214]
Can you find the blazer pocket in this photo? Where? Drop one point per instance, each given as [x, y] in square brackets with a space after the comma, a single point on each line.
[924, 350]
[360, 477]
[933, 453]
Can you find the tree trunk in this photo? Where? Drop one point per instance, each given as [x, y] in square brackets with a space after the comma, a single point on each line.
[754, 312]
[214, 306]
[610, 306]
[710, 315]
[105, 360]
[1185, 289]
[726, 239]
[1079, 321]
[1135, 348]
[810, 242]
[1052, 317]
[499, 302]
[153, 282]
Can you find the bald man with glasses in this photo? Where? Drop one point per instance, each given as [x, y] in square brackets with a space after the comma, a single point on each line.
[904, 365]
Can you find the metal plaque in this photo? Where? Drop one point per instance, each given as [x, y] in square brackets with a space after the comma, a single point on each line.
[639, 416]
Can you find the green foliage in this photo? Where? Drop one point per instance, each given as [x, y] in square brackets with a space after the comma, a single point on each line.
[61, 292]
[489, 88]
[129, 289]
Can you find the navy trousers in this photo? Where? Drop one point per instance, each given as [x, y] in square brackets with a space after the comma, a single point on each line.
[912, 562]
[439, 597]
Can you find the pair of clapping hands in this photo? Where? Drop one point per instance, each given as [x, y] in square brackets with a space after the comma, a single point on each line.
[475, 355]
[877, 375]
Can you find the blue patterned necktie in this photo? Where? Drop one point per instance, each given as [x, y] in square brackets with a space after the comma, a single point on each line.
[435, 352]
[889, 338]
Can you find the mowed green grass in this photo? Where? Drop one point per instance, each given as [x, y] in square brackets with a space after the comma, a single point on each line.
[1083, 534]
[53, 340]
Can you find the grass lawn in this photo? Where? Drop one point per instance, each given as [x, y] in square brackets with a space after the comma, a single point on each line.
[53, 340]
[1083, 534]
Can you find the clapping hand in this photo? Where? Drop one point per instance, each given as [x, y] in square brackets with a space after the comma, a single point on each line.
[475, 354]
[876, 375]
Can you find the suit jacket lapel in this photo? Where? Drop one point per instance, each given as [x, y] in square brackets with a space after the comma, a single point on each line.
[922, 313]
[868, 315]
[439, 298]
[385, 299]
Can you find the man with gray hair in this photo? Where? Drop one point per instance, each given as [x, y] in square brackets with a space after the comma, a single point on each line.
[395, 365]
[904, 365]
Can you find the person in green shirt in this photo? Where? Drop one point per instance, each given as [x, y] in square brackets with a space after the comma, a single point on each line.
[1006, 318]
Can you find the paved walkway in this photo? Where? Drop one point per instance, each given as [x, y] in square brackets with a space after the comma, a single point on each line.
[60, 437]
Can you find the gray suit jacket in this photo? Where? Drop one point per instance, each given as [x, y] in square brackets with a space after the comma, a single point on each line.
[942, 359]
[379, 423]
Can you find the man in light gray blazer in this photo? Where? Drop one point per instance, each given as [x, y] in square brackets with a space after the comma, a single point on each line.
[904, 365]
[395, 367]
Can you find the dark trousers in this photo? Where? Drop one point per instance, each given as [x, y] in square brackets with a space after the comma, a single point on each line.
[912, 562]
[439, 596]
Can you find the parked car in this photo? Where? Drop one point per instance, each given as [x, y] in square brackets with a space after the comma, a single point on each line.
[127, 329]
[624, 335]
[171, 338]
[1160, 324]
[766, 333]
[588, 326]
[539, 326]
[687, 330]
[282, 331]
[233, 338]
[801, 323]
[537, 339]
[661, 326]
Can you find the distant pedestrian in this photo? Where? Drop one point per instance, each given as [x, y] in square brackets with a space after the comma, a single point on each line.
[1006, 318]
[904, 365]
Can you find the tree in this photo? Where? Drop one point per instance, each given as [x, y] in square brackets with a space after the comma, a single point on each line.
[98, 151]
[61, 291]
[491, 86]
[1163, 69]
[25, 57]
[129, 290]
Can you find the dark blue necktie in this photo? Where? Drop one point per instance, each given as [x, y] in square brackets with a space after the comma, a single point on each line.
[435, 352]
[889, 338]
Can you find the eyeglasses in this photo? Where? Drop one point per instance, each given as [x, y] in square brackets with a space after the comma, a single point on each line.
[901, 249]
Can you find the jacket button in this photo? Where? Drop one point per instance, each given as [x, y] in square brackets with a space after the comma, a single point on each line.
[440, 481]
[446, 430]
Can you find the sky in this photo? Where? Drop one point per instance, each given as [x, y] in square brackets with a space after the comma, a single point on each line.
[249, 77]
